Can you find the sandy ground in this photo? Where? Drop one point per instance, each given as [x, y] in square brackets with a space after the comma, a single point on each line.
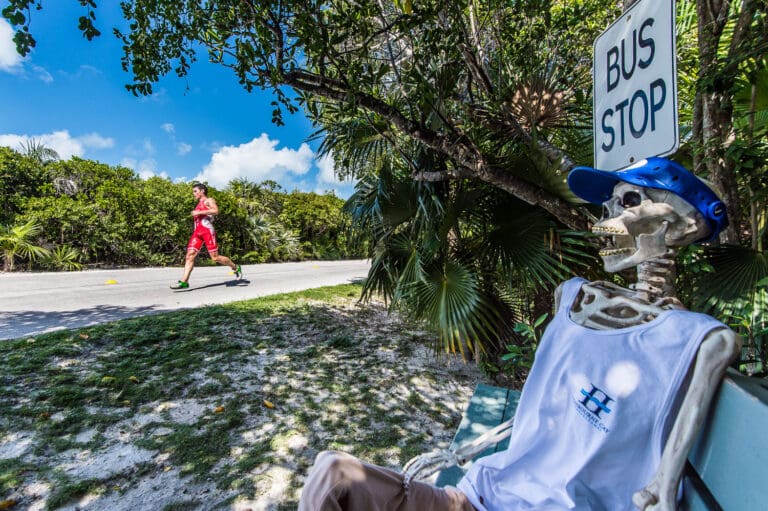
[430, 393]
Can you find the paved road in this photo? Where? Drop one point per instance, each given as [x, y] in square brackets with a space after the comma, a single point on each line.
[33, 303]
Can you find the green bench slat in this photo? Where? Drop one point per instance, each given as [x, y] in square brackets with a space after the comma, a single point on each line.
[731, 453]
[488, 407]
[513, 397]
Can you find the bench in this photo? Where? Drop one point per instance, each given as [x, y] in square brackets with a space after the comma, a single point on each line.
[728, 465]
[488, 407]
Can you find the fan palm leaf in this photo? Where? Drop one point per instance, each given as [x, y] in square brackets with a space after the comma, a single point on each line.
[65, 257]
[17, 241]
[449, 297]
[732, 289]
[525, 245]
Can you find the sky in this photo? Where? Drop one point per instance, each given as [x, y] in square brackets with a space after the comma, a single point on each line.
[69, 94]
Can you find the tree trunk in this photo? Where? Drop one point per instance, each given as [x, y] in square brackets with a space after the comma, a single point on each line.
[713, 110]
[8, 261]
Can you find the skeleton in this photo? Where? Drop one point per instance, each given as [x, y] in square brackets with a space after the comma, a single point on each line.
[644, 227]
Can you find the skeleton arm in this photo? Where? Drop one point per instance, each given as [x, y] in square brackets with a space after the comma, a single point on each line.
[716, 352]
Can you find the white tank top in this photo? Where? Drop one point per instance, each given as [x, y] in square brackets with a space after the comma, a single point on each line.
[593, 415]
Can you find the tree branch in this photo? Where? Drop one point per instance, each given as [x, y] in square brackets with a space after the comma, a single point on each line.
[465, 156]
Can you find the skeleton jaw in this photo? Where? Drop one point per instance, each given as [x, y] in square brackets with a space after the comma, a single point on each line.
[625, 250]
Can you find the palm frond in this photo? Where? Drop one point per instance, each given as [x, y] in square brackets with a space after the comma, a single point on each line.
[382, 276]
[732, 290]
[449, 298]
[526, 246]
[65, 257]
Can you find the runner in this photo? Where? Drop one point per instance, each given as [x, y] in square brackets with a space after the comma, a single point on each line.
[204, 232]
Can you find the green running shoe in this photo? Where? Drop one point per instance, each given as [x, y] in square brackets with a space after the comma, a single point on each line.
[180, 285]
[239, 272]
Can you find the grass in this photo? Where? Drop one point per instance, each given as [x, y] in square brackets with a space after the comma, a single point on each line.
[222, 407]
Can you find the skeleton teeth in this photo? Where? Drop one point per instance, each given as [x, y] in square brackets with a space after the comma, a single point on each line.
[615, 251]
[600, 229]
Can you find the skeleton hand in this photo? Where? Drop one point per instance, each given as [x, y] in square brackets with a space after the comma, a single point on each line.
[428, 464]
[651, 498]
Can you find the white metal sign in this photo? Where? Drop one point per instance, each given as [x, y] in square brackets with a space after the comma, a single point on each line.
[635, 86]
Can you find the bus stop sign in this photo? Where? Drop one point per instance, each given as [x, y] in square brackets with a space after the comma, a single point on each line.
[635, 86]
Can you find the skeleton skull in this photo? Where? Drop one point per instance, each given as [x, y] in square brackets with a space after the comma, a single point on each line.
[642, 223]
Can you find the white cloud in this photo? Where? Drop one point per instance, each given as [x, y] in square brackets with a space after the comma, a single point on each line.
[141, 159]
[257, 160]
[148, 168]
[87, 69]
[145, 168]
[148, 146]
[42, 74]
[61, 142]
[182, 148]
[10, 60]
[96, 141]
[83, 72]
[327, 172]
[327, 180]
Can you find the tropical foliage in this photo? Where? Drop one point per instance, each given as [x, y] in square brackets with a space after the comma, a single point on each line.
[468, 258]
[68, 214]
[35, 149]
[18, 242]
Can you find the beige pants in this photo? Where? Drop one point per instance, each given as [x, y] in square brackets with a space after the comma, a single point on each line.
[338, 481]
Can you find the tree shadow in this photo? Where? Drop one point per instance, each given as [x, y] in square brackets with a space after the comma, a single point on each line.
[29, 322]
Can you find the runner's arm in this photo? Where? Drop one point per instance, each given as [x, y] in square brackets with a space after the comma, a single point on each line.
[213, 208]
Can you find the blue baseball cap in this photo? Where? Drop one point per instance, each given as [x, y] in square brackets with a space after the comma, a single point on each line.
[596, 186]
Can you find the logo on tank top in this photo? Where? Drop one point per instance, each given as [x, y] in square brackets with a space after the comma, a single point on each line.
[593, 405]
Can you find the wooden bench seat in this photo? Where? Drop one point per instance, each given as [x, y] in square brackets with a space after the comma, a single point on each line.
[728, 466]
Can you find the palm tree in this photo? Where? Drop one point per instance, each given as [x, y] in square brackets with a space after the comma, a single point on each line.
[256, 198]
[17, 241]
[36, 150]
[468, 260]
[728, 281]
[65, 257]
[273, 238]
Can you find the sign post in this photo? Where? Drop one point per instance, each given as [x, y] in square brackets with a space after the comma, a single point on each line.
[635, 86]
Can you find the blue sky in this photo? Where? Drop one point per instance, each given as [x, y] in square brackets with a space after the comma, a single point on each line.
[69, 94]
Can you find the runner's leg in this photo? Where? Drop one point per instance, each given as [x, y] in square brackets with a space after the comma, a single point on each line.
[222, 259]
[213, 250]
[189, 263]
[193, 248]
